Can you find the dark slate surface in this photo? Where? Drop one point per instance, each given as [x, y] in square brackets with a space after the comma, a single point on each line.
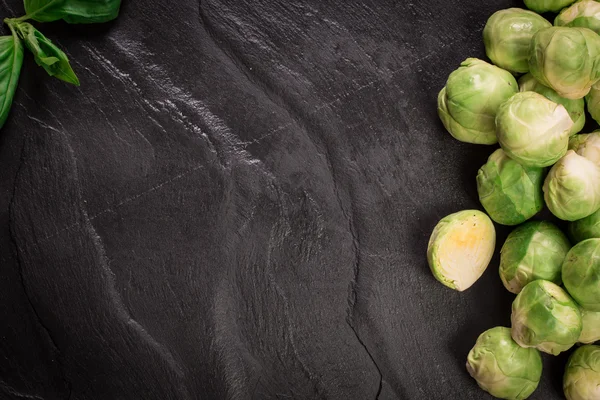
[236, 203]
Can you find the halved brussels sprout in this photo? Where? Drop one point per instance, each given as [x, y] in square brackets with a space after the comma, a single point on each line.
[575, 108]
[460, 248]
[507, 35]
[545, 317]
[533, 130]
[572, 187]
[591, 326]
[587, 145]
[582, 374]
[535, 250]
[468, 103]
[581, 274]
[593, 102]
[510, 192]
[586, 228]
[583, 14]
[501, 367]
[566, 60]
[542, 6]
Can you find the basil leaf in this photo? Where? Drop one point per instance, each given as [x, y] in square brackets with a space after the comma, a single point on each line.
[72, 11]
[46, 54]
[11, 60]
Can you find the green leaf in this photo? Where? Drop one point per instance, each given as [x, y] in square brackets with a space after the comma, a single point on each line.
[11, 60]
[47, 55]
[72, 11]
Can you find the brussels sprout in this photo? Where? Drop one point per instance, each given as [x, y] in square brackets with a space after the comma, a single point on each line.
[503, 368]
[510, 192]
[533, 130]
[582, 374]
[587, 145]
[585, 228]
[583, 14]
[507, 35]
[575, 108]
[581, 273]
[591, 326]
[572, 187]
[593, 102]
[535, 250]
[468, 103]
[542, 6]
[460, 248]
[566, 60]
[545, 317]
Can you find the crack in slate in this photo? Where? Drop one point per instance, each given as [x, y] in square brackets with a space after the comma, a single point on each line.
[380, 386]
[18, 259]
[352, 298]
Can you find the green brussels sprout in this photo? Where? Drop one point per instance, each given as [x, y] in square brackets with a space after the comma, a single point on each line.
[509, 192]
[583, 14]
[581, 273]
[585, 228]
[468, 103]
[542, 6]
[591, 326]
[587, 145]
[460, 248]
[592, 100]
[575, 108]
[582, 374]
[545, 317]
[501, 367]
[533, 130]
[535, 250]
[507, 35]
[572, 187]
[566, 60]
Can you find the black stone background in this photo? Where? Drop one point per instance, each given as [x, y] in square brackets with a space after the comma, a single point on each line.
[236, 204]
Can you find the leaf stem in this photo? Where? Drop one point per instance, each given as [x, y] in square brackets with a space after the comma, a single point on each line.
[10, 22]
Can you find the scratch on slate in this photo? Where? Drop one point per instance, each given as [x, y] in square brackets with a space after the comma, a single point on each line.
[168, 282]
[353, 92]
[128, 200]
[215, 127]
[101, 110]
[12, 391]
[126, 80]
[8, 7]
[255, 388]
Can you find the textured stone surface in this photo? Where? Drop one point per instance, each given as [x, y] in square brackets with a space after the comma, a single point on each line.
[236, 203]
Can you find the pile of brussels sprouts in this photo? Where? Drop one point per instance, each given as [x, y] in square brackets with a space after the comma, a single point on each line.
[531, 100]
